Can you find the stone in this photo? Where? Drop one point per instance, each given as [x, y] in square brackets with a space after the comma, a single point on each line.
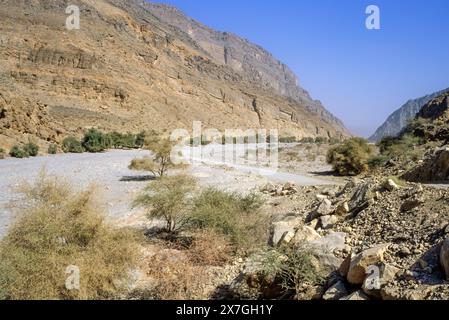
[304, 235]
[281, 227]
[346, 264]
[320, 197]
[324, 208]
[327, 222]
[356, 296]
[336, 292]
[390, 185]
[360, 263]
[387, 273]
[286, 238]
[411, 204]
[444, 257]
[333, 241]
[342, 209]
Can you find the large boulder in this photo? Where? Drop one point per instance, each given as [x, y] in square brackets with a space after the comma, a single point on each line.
[324, 208]
[327, 222]
[360, 263]
[280, 228]
[323, 250]
[304, 235]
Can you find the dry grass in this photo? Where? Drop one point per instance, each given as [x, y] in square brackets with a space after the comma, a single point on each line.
[210, 248]
[59, 227]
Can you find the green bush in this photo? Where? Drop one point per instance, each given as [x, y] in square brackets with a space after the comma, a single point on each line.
[2, 153]
[233, 215]
[95, 141]
[31, 149]
[52, 149]
[167, 198]
[288, 140]
[307, 140]
[377, 161]
[321, 140]
[17, 152]
[291, 267]
[405, 148]
[72, 145]
[351, 157]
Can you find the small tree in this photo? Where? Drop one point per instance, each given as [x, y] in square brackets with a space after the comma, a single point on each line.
[350, 158]
[158, 166]
[96, 141]
[52, 149]
[17, 152]
[168, 198]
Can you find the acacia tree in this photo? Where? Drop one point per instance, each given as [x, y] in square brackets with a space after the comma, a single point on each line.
[168, 198]
[161, 162]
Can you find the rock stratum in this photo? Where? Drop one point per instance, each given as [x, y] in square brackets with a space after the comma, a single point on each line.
[139, 66]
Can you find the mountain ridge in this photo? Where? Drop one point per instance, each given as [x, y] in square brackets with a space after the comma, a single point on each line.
[398, 120]
[128, 70]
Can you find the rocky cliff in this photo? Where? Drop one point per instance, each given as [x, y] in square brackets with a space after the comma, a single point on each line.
[135, 66]
[397, 121]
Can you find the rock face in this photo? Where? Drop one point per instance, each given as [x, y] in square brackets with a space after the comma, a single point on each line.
[444, 257]
[399, 119]
[139, 66]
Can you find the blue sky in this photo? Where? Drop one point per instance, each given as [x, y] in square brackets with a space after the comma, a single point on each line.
[360, 75]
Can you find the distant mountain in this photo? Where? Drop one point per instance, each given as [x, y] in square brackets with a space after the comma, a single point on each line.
[397, 121]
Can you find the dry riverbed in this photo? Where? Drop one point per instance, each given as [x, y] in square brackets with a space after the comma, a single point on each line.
[118, 185]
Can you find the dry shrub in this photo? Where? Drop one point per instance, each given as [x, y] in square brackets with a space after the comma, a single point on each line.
[175, 276]
[56, 228]
[210, 248]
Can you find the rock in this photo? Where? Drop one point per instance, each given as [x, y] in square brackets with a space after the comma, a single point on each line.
[281, 227]
[286, 238]
[336, 292]
[327, 222]
[323, 251]
[320, 197]
[323, 209]
[390, 185]
[386, 274]
[342, 209]
[356, 296]
[346, 264]
[304, 235]
[360, 263]
[444, 257]
[411, 204]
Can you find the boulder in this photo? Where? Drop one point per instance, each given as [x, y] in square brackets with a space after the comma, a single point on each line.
[336, 292]
[444, 257]
[286, 238]
[324, 208]
[359, 264]
[386, 274]
[390, 185]
[281, 227]
[323, 251]
[304, 235]
[342, 209]
[327, 222]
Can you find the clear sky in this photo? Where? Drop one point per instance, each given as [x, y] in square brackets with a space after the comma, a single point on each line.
[360, 75]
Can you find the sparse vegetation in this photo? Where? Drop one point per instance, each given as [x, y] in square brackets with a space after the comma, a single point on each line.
[404, 148]
[168, 198]
[56, 228]
[292, 267]
[2, 153]
[52, 149]
[31, 149]
[17, 152]
[162, 148]
[72, 145]
[351, 157]
[288, 139]
[230, 214]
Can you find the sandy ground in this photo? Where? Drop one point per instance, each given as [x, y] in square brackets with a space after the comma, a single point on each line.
[118, 185]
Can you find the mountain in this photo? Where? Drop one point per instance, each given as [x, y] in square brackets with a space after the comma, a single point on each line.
[137, 66]
[397, 121]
